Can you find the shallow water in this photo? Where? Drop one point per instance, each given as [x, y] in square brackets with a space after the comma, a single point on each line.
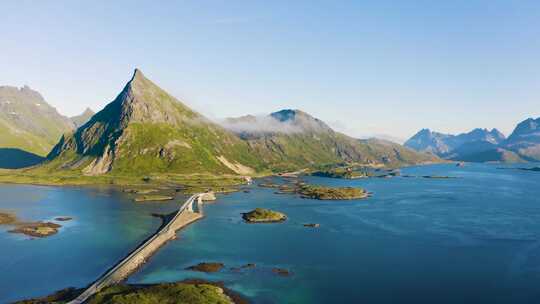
[472, 239]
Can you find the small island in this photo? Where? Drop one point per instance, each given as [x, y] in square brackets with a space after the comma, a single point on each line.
[206, 267]
[140, 191]
[63, 218]
[345, 173]
[260, 215]
[328, 193]
[33, 229]
[152, 198]
[37, 229]
[281, 272]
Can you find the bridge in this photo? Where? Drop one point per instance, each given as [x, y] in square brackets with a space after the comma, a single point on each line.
[188, 213]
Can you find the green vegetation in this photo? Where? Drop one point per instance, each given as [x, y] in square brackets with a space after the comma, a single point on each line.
[192, 292]
[260, 215]
[187, 183]
[328, 193]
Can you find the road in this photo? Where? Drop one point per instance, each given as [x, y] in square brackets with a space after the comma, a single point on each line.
[188, 213]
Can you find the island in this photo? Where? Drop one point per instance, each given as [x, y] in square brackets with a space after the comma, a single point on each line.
[63, 218]
[206, 267]
[189, 291]
[281, 272]
[37, 229]
[152, 198]
[260, 215]
[328, 193]
[33, 229]
[345, 173]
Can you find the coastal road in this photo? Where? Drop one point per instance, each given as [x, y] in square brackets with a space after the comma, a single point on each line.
[188, 213]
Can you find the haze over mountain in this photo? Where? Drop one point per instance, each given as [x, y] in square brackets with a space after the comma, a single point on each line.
[289, 139]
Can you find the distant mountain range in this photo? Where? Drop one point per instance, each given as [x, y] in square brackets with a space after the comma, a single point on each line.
[29, 123]
[146, 130]
[482, 145]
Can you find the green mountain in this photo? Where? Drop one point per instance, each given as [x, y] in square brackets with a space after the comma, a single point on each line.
[28, 122]
[292, 139]
[145, 130]
[82, 118]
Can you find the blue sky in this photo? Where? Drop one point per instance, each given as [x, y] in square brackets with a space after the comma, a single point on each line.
[365, 67]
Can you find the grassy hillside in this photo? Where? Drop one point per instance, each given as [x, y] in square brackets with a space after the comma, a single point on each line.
[28, 122]
[295, 140]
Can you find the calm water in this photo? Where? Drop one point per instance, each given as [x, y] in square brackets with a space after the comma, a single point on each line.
[473, 239]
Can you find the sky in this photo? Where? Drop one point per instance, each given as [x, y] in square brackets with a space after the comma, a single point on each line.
[383, 68]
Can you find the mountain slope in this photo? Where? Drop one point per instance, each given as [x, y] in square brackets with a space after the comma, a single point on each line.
[28, 122]
[292, 139]
[82, 118]
[525, 139]
[145, 130]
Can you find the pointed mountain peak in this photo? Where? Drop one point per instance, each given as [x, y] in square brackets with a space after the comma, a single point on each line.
[142, 100]
[137, 75]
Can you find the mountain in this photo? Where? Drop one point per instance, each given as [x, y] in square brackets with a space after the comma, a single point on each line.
[456, 147]
[28, 122]
[525, 139]
[292, 139]
[82, 118]
[427, 141]
[146, 130]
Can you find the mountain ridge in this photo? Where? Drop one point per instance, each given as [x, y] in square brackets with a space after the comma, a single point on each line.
[483, 145]
[28, 122]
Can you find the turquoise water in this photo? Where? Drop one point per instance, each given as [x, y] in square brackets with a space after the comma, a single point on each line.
[473, 239]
